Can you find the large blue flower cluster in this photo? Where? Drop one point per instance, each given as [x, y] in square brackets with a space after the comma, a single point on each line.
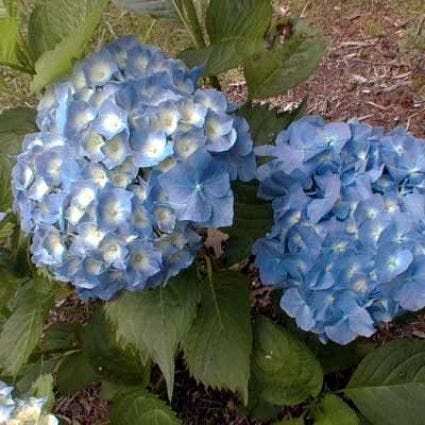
[348, 241]
[131, 158]
[22, 412]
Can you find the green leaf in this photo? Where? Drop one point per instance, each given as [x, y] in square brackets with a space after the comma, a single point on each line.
[53, 21]
[285, 371]
[236, 30]
[259, 409]
[75, 372]
[60, 337]
[297, 421]
[388, 387]
[8, 8]
[14, 125]
[266, 123]
[218, 347]
[332, 410]
[109, 358]
[253, 218]
[110, 390]
[59, 32]
[22, 330]
[9, 36]
[43, 388]
[31, 372]
[223, 56]
[139, 407]
[156, 321]
[5, 186]
[275, 71]
[9, 283]
[155, 8]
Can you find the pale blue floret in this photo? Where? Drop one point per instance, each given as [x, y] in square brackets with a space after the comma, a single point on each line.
[197, 189]
[99, 68]
[150, 147]
[114, 208]
[95, 188]
[111, 120]
[347, 245]
[144, 261]
[219, 132]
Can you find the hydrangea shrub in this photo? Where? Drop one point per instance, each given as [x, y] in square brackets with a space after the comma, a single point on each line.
[131, 159]
[347, 245]
[14, 411]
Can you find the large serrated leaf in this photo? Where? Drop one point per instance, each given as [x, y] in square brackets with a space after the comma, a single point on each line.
[155, 8]
[253, 218]
[236, 29]
[266, 123]
[8, 8]
[75, 372]
[43, 388]
[14, 125]
[9, 283]
[275, 71]
[9, 36]
[139, 407]
[332, 410]
[218, 347]
[156, 321]
[22, 330]
[59, 34]
[388, 387]
[285, 371]
[60, 337]
[53, 21]
[110, 359]
[5, 187]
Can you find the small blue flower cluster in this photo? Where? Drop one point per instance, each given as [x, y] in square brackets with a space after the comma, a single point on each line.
[22, 412]
[132, 157]
[348, 241]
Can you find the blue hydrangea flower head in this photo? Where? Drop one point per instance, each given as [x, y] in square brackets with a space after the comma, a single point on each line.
[348, 241]
[131, 158]
[22, 412]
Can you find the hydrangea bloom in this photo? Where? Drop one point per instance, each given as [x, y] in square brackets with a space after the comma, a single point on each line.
[131, 158]
[22, 412]
[348, 241]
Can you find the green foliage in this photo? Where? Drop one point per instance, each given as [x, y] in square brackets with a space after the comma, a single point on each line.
[22, 330]
[59, 31]
[155, 322]
[297, 421]
[155, 8]
[60, 337]
[253, 218]
[388, 387]
[32, 371]
[43, 388]
[218, 347]
[9, 283]
[286, 65]
[75, 372]
[5, 189]
[9, 36]
[138, 407]
[332, 410]
[14, 125]
[8, 8]
[108, 358]
[266, 123]
[236, 31]
[285, 371]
